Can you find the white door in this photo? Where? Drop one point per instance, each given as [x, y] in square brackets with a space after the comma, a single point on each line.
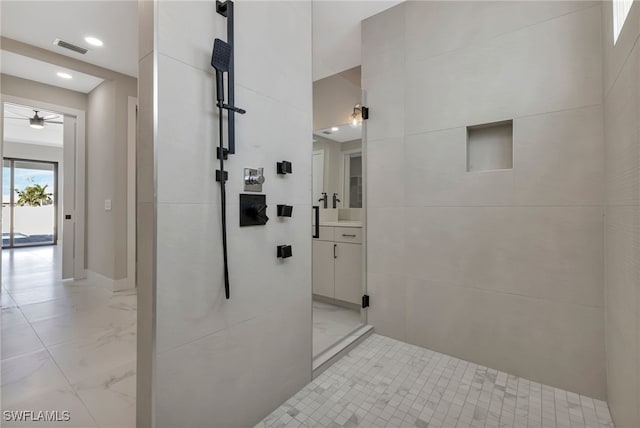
[69, 197]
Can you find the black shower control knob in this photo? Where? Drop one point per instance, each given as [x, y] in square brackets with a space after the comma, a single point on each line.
[258, 211]
[284, 251]
[285, 210]
[284, 167]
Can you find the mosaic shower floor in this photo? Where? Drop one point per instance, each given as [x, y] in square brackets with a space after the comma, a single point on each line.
[387, 383]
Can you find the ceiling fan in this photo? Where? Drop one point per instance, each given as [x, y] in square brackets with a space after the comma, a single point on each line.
[36, 121]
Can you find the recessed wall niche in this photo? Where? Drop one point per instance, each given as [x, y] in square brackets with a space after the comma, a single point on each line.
[490, 146]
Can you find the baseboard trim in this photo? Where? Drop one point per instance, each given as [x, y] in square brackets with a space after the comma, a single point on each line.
[339, 350]
[115, 285]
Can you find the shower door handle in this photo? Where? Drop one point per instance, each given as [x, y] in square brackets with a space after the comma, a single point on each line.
[316, 233]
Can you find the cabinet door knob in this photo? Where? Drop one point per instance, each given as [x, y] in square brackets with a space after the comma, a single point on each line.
[348, 235]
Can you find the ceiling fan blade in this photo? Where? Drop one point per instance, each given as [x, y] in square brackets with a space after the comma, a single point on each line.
[51, 116]
[57, 123]
[16, 118]
[18, 113]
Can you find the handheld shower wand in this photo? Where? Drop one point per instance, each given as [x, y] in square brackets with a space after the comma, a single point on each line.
[220, 59]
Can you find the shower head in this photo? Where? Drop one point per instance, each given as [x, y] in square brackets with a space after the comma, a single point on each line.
[220, 59]
[221, 56]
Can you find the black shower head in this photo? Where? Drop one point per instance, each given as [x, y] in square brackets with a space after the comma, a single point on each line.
[221, 56]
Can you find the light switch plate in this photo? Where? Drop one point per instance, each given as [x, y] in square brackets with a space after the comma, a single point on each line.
[107, 204]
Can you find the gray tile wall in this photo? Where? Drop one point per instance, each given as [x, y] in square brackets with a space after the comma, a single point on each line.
[622, 216]
[501, 268]
[217, 362]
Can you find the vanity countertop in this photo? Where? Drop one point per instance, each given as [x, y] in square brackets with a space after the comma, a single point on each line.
[342, 223]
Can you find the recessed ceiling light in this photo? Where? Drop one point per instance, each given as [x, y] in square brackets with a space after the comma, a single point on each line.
[64, 75]
[93, 41]
[334, 129]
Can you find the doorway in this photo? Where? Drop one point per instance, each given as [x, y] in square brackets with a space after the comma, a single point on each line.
[43, 202]
[338, 249]
[29, 202]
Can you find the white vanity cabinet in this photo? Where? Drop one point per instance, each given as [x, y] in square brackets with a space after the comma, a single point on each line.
[337, 263]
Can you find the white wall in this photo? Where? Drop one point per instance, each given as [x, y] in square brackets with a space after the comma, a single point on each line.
[217, 362]
[31, 220]
[500, 268]
[107, 175]
[38, 152]
[622, 216]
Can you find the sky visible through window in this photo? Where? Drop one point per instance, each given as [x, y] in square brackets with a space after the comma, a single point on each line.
[23, 178]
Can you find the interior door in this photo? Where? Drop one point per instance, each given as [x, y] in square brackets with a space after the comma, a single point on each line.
[69, 198]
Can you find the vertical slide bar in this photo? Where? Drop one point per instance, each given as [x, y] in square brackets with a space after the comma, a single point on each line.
[226, 9]
[231, 95]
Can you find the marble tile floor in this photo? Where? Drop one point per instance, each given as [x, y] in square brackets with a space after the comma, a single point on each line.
[331, 323]
[387, 383]
[66, 345]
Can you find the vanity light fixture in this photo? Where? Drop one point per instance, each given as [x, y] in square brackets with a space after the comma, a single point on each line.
[356, 116]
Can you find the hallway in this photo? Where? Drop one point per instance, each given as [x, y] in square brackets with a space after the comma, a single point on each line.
[66, 345]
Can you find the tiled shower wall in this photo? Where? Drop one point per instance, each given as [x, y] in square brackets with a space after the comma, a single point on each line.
[217, 362]
[622, 216]
[502, 268]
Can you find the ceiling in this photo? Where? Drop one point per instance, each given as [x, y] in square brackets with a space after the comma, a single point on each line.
[32, 69]
[17, 129]
[39, 23]
[336, 30]
[336, 33]
[343, 134]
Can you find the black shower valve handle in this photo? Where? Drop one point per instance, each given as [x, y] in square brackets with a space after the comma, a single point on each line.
[283, 168]
[257, 211]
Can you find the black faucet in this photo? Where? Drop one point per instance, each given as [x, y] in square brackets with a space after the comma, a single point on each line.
[323, 199]
[335, 200]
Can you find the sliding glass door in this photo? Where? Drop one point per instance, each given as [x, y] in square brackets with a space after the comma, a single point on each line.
[29, 201]
[6, 203]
